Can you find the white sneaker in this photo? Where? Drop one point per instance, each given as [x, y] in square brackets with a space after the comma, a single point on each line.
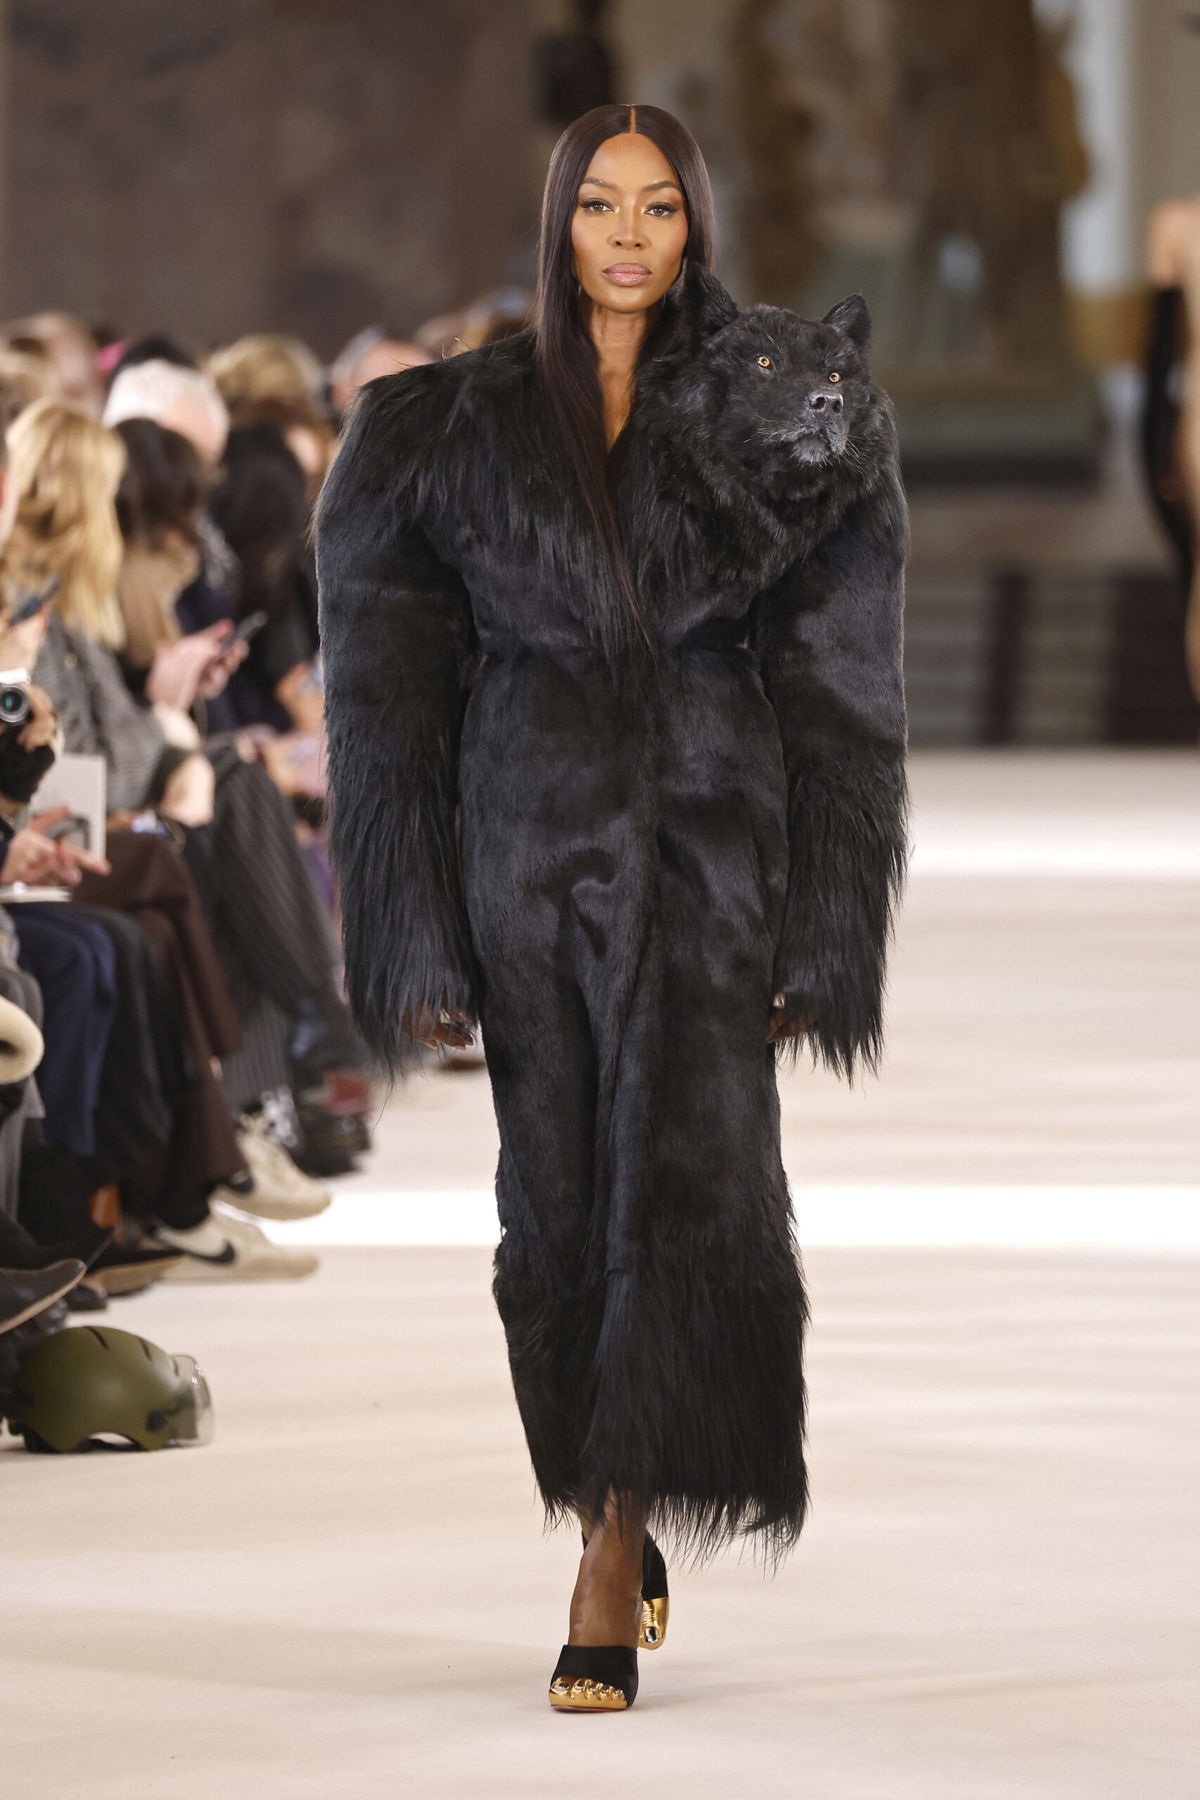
[226, 1248]
[281, 1190]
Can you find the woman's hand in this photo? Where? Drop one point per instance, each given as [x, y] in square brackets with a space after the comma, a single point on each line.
[786, 1023]
[215, 676]
[30, 858]
[178, 669]
[35, 859]
[448, 1027]
[41, 727]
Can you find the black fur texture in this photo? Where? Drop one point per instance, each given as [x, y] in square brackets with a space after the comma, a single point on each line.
[612, 858]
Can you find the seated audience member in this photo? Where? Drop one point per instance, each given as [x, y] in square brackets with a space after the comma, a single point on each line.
[66, 468]
[499, 314]
[185, 402]
[169, 390]
[160, 505]
[266, 367]
[80, 1014]
[261, 507]
[371, 352]
[26, 375]
[25, 755]
[307, 431]
[274, 938]
[179, 398]
[154, 346]
[72, 350]
[271, 926]
[278, 380]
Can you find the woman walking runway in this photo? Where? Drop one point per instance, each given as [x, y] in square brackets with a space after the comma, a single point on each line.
[611, 626]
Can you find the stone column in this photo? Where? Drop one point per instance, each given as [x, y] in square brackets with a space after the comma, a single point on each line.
[1103, 227]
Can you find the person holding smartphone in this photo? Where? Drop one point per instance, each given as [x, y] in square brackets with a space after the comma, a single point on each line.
[159, 505]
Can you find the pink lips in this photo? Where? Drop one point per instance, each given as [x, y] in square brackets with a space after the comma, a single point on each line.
[628, 274]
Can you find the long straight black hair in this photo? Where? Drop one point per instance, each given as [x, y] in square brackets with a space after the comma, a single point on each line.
[565, 355]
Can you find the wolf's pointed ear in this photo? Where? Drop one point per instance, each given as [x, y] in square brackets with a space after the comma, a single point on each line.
[700, 302]
[852, 318]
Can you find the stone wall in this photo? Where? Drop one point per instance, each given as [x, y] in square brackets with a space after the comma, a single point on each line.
[220, 166]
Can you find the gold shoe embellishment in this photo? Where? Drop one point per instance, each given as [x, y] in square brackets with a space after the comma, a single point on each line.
[654, 1623]
[585, 1695]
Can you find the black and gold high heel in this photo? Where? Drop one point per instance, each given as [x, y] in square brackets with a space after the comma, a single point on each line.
[656, 1601]
[594, 1678]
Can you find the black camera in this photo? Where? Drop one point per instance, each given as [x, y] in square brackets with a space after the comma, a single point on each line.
[14, 706]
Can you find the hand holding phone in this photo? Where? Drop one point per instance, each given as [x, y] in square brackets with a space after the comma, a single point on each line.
[228, 657]
[249, 627]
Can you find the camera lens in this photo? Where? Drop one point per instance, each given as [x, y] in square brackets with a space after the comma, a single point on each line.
[14, 706]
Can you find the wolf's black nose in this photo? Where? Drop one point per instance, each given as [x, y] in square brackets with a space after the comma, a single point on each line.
[821, 400]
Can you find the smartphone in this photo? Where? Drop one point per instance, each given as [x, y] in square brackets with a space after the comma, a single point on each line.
[250, 626]
[73, 826]
[33, 603]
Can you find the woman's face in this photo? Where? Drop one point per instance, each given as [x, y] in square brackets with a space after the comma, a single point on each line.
[629, 227]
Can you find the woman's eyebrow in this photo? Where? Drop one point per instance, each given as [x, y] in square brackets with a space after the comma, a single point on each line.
[599, 181]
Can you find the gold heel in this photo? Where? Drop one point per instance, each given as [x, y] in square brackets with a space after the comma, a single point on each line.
[654, 1623]
[656, 1604]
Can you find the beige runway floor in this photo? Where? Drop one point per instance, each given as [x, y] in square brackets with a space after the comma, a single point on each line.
[349, 1594]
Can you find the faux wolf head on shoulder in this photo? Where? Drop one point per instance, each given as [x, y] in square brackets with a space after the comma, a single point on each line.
[784, 406]
[798, 391]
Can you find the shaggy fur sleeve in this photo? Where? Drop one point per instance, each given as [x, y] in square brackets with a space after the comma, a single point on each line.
[829, 635]
[396, 643]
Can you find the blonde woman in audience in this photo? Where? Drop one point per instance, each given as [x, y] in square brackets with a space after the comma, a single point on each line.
[266, 366]
[66, 468]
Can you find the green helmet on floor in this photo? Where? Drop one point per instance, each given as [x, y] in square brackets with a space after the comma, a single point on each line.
[92, 1381]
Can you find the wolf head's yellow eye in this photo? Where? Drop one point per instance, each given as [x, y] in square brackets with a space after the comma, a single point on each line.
[764, 362]
[835, 376]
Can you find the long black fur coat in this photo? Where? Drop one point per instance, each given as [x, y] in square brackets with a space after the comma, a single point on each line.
[614, 854]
